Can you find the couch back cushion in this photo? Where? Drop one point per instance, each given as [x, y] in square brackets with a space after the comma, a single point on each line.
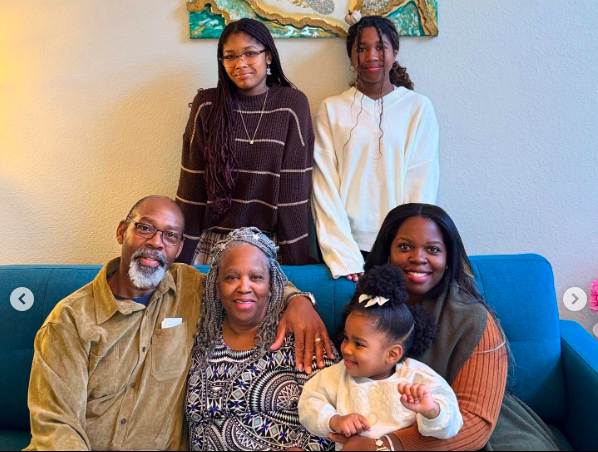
[49, 285]
[520, 288]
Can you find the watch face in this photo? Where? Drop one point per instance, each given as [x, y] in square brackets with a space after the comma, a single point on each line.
[380, 445]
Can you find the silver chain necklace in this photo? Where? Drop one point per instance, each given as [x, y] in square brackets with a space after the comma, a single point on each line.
[252, 140]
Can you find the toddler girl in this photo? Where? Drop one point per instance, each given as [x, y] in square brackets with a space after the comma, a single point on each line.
[377, 389]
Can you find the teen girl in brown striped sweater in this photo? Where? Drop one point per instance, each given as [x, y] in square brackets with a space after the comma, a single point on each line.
[247, 151]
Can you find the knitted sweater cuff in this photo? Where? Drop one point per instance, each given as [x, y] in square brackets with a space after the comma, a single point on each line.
[347, 266]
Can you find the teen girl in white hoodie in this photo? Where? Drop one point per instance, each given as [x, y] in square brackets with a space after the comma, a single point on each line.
[376, 148]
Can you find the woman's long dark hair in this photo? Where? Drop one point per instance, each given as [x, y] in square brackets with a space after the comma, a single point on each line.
[459, 267]
[218, 151]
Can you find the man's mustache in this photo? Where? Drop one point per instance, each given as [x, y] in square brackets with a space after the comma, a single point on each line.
[153, 254]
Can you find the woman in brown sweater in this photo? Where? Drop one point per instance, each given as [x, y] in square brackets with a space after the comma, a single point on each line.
[247, 151]
[471, 351]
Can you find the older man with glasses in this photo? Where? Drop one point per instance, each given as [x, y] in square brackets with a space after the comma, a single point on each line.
[111, 361]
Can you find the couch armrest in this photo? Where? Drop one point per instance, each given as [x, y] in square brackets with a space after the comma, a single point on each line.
[580, 365]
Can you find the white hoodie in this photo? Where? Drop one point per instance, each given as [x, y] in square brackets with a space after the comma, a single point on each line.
[358, 181]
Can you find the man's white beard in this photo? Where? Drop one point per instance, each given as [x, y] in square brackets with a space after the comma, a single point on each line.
[144, 277]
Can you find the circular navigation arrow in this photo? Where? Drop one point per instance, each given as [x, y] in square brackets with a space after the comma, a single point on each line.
[22, 299]
[575, 299]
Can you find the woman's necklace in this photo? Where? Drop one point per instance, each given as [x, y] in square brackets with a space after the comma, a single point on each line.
[252, 140]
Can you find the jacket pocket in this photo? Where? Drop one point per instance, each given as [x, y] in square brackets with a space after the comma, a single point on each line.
[170, 353]
[103, 377]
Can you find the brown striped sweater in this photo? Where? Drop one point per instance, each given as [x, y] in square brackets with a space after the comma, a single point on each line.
[480, 388]
[273, 176]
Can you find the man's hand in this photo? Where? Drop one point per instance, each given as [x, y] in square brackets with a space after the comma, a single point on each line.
[418, 399]
[350, 425]
[354, 443]
[311, 336]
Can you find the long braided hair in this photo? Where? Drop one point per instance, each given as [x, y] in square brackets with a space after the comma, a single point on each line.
[218, 150]
[398, 74]
[212, 311]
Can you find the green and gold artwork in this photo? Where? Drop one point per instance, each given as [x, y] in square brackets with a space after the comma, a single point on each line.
[310, 18]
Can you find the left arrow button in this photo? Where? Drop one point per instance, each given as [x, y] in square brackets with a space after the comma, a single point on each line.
[22, 299]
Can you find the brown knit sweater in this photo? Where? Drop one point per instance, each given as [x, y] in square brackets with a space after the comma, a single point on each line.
[480, 388]
[273, 176]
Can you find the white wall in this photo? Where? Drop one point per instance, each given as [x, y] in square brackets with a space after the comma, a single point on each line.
[93, 102]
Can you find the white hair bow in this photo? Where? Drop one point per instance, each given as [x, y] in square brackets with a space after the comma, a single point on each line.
[372, 301]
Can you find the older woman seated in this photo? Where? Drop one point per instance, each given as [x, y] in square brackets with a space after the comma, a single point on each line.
[240, 394]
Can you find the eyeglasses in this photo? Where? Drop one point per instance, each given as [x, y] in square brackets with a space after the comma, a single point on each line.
[148, 232]
[248, 57]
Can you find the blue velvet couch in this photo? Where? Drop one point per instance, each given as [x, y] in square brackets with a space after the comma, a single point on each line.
[557, 361]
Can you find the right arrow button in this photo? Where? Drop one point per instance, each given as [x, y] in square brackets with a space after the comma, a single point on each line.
[575, 299]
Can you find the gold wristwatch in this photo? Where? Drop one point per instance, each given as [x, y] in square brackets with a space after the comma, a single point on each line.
[380, 445]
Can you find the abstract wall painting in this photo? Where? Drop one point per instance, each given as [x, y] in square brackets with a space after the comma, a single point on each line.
[310, 18]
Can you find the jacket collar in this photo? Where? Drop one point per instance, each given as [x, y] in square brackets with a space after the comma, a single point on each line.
[106, 305]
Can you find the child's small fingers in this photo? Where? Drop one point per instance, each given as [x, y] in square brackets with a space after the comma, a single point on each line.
[356, 424]
[414, 391]
[401, 388]
[410, 389]
[421, 392]
[363, 421]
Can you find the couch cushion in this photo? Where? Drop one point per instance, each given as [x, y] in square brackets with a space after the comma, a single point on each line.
[14, 440]
[564, 445]
[521, 290]
[49, 285]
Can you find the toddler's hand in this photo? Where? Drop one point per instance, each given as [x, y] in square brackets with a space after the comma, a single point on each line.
[418, 399]
[350, 425]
